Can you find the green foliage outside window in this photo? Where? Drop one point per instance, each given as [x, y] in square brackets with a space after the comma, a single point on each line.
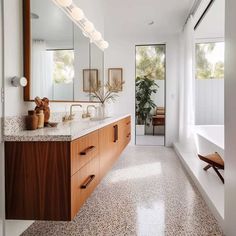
[210, 61]
[150, 61]
[63, 71]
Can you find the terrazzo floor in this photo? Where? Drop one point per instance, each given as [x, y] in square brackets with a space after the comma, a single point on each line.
[147, 193]
[150, 140]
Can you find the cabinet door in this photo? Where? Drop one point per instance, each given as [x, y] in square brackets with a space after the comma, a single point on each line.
[108, 146]
[83, 183]
[124, 133]
[127, 135]
[83, 150]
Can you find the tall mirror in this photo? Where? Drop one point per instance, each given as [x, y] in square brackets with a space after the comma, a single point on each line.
[97, 66]
[59, 61]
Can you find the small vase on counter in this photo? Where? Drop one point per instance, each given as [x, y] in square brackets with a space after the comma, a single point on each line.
[31, 120]
[101, 111]
[40, 115]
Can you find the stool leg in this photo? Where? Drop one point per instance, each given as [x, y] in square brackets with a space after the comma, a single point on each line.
[218, 173]
[207, 167]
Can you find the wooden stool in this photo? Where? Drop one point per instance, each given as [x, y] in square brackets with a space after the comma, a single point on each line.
[215, 161]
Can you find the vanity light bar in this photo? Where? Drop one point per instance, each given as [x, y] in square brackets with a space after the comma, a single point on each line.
[78, 17]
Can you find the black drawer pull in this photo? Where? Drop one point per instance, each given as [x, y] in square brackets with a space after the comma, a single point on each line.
[88, 182]
[115, 133]
[128, 135]
[87, 150]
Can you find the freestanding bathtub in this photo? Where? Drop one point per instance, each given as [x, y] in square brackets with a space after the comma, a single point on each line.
[210, 139]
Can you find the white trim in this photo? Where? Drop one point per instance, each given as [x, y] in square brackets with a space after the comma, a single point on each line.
[209, 40]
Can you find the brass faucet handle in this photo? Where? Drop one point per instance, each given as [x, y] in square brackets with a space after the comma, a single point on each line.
[71, 117]
[65, 118]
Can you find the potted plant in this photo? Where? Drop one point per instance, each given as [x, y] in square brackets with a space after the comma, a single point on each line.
[145, 87]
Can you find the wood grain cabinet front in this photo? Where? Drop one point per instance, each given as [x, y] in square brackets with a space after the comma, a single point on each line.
[124, 132]
[83, 183]
[108, 147]
[83, 150]
[37, 180]
[52, 180]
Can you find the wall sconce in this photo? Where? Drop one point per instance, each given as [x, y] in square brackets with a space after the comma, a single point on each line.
[19, 81]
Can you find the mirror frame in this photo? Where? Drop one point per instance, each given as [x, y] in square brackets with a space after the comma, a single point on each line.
[27, 54]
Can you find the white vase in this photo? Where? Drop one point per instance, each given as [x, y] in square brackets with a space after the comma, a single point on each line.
[102, 111]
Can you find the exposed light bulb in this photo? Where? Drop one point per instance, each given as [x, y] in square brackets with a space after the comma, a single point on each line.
[104, 44]
[96, 36]
[85, 34]
[88, 26]
[77, 13]
[65, 3]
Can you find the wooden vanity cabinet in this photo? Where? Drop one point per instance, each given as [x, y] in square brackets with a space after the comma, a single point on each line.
[83, 150]
[52, 180]
[37, 180]
[125, 132]
[83, 183]
[108, 147]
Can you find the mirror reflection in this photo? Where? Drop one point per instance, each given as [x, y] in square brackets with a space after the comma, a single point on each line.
[64, 66]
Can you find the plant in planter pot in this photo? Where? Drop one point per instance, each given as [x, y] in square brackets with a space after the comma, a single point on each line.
[145, 87]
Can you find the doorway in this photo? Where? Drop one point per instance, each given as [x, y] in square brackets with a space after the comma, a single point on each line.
[150, 86]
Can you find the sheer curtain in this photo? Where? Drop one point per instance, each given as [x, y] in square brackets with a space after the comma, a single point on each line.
[187, 84]
[42, 69]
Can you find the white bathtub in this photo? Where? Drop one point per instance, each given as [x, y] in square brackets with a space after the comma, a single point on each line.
[209, 139]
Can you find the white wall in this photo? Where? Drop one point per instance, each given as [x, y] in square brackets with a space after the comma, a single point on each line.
[209, 102]
[159, 97]
[121, 53]
[213, 24]
[230, 118]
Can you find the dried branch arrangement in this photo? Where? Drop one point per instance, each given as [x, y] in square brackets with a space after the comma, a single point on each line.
[106, 93]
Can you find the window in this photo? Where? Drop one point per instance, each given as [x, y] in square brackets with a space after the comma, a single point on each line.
[150, 61]
[63, 66]
[210, 60]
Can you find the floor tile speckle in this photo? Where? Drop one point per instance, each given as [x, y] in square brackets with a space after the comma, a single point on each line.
[147, 193]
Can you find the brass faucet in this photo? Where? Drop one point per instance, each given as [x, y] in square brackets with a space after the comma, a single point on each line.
[71, 116]
[87, 111]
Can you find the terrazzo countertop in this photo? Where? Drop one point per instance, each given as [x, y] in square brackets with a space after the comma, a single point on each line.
[66, 131]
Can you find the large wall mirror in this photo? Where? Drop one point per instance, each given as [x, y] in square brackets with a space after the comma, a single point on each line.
[59, 61]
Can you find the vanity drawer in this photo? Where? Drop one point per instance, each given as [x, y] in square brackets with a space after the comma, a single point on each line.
[83, 183]
[83, 150]
[125, 131]
[128, 121]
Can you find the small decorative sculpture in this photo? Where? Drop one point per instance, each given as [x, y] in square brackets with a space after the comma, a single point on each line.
[43, 104]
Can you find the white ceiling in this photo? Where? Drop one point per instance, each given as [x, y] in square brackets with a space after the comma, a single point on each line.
[123, 18]
[52, 25]
[131, 17]
[213, 24]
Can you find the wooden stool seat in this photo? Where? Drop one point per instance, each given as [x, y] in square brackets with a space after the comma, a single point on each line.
[215, 161]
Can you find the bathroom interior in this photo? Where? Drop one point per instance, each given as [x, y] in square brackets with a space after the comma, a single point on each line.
[117, 117]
